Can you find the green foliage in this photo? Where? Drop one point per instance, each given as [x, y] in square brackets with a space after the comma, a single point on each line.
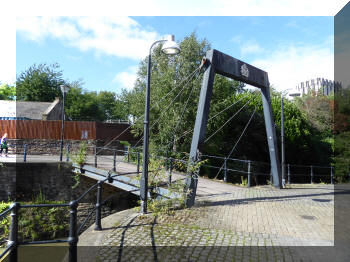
[7, 92]
[79, 158]
[244, 181]
[37, 223]
[40, 83]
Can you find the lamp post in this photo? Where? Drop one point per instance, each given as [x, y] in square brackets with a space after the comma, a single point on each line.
[170, 47]
[64, 90]
[282, 136]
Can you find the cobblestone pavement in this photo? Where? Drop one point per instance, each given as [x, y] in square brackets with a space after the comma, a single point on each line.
[255, 224]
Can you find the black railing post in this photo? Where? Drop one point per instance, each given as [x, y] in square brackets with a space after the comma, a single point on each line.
[95, 154]
[128, 154]
[225, 170]
[349, 174]
[288, 174]
[114, 160]
[166, 161]
[98, 206]
[14, 232]
[25, 153]
[138, 162]
[73, 234]
[331, 175]
[68, 152]
[170, 170]
[249, 173]
[311, 174]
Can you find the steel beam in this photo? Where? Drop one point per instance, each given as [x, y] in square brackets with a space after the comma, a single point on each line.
[217, 62]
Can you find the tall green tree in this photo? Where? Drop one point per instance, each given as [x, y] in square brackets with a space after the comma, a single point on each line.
[40, 83]
[173, 113]
[7, 92]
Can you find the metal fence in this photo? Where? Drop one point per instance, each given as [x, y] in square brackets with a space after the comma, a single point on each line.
[74, 230]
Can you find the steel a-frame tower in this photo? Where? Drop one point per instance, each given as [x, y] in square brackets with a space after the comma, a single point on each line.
[216, 62]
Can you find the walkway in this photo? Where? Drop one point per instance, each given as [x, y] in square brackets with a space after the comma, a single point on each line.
[256, 224]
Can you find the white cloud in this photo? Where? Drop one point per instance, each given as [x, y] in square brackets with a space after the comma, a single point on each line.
[7, 50]
[291, 64]
[118, 36]
[126, 79]
[251, 48]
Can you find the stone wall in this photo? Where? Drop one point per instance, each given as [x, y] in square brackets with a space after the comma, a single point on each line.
[25, 181]
[52, 147]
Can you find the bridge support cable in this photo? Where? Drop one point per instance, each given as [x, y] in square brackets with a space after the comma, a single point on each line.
[227, 121]
[238, 140]
[211, 118]
[168, 106]
[156, 104]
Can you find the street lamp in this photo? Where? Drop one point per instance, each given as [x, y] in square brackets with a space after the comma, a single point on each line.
[64, 90]
[293, 94]
[170, 47]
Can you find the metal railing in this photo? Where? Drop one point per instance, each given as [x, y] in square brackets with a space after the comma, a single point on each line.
[72, 240]
[293, 172]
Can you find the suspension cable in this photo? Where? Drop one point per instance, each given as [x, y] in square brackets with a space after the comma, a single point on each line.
[166, 109]
[211, 118]
[227, 121]
[239, 139]
[157, 104]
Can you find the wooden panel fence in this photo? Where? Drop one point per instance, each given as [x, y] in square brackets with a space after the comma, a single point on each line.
[74, 130]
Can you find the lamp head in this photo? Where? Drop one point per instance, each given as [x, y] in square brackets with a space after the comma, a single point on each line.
[170, 47]
[64, 89]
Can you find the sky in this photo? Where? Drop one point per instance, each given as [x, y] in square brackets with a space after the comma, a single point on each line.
[104, 49]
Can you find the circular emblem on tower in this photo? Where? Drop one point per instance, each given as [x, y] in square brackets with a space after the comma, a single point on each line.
[244, 70]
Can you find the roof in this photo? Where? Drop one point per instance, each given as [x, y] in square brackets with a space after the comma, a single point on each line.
[23, 110]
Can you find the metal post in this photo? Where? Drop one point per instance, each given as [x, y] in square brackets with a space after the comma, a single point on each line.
[225, 170]
[170, 170]
[62, 128]
[282, 143]
[25, 153]
[312, 174]
[288, 174]
[14, 232]
[128, 154]
[166, 161]
[73, 234]
[138, 162]
[114, 160]
[68, 151]
[95, 153]
[98, 206]
[249, 173]
[331, 175]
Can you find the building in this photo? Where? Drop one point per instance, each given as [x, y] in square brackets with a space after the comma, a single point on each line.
[318, 86]
[23, 110]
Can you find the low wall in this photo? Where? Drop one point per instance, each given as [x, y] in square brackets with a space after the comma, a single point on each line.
[52, 147]
[25, 181]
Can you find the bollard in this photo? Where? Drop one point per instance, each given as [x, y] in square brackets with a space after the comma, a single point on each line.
[73, 234]
[14, 232]
[68, 151]
[98, 206]
[170, 170]
[225, 170]
[331, 175]
[312, 174]
[114, 160]
[248, 173]
[288, 174]
[25, 153]
[95, 153]
[138, 162]
[349, 174]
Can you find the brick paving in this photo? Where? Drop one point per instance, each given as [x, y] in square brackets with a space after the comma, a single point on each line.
[249, 224]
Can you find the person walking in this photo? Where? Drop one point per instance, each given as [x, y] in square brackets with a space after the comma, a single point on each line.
[4, 145]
